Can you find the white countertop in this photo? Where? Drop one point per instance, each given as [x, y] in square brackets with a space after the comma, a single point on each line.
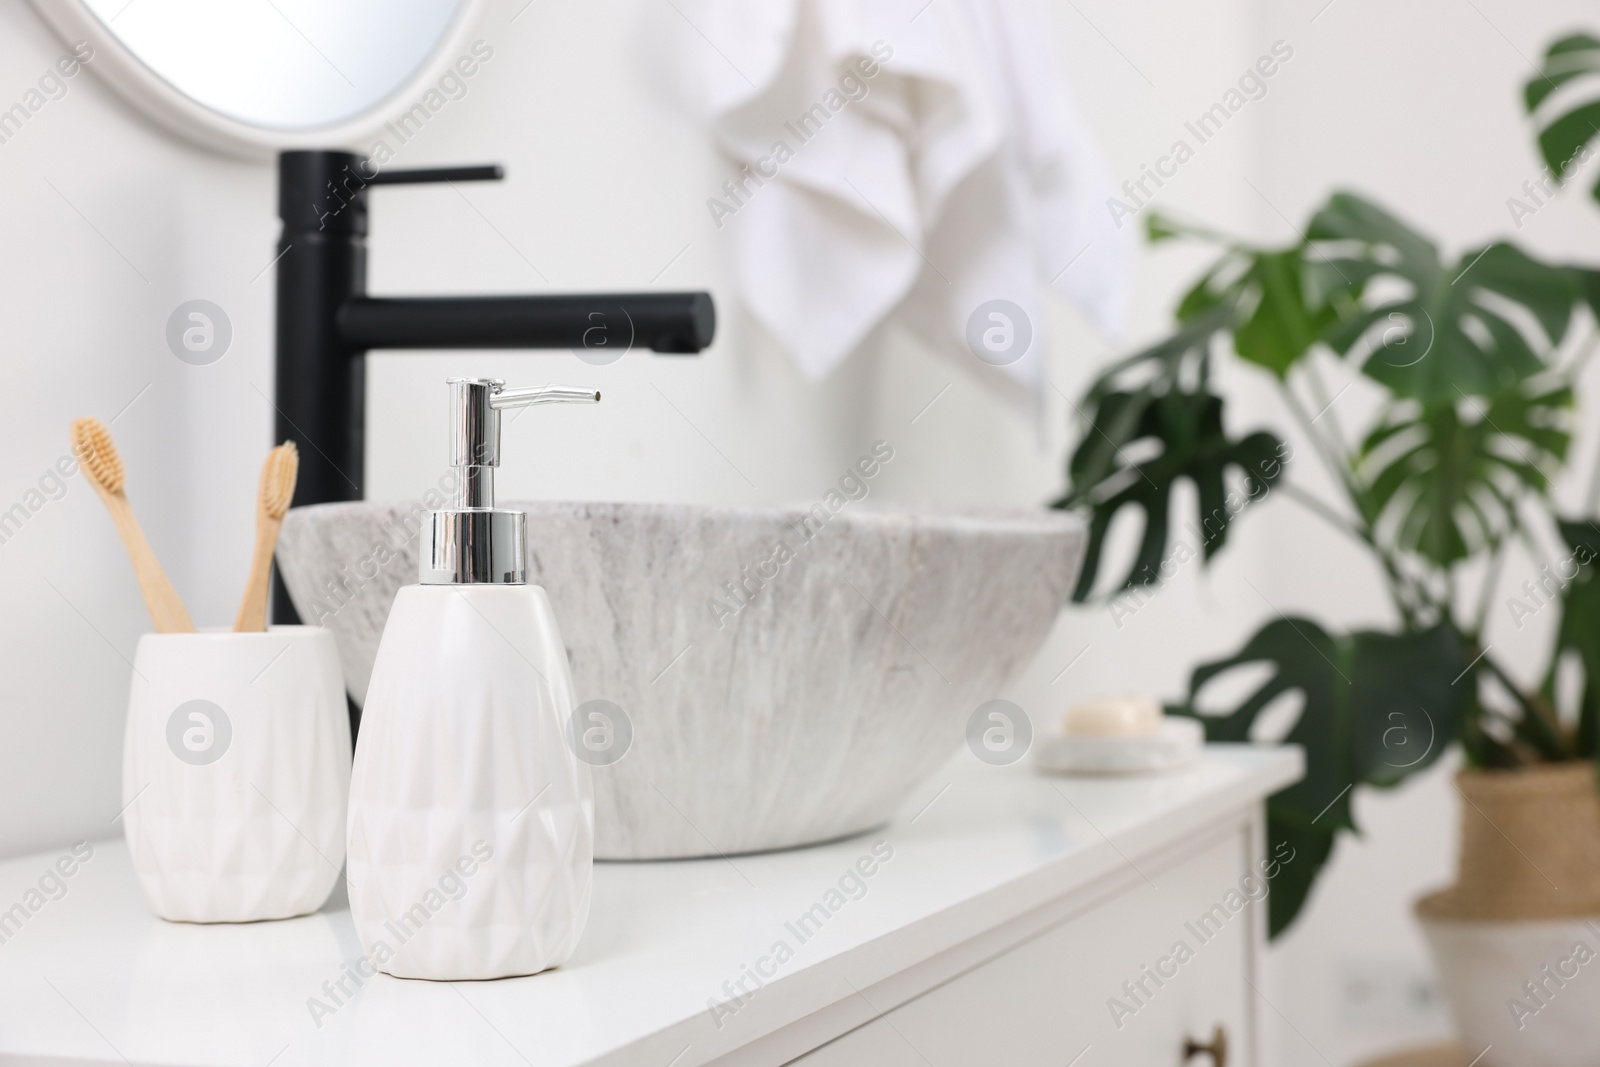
[94, 978]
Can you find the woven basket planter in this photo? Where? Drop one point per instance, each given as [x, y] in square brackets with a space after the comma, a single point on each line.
[1516, 939]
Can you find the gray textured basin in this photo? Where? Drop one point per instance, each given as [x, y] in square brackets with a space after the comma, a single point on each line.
[804, 708]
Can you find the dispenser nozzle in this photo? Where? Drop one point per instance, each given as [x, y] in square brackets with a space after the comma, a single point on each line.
[475, 406]
[544, 394]
[472, 541]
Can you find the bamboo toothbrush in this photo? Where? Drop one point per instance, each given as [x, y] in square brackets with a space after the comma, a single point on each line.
[278, 476]
[97, 455]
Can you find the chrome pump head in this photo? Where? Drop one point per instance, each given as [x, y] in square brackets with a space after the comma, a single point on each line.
[475, 543]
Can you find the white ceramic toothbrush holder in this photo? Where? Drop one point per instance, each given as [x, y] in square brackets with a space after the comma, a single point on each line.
[236, 773]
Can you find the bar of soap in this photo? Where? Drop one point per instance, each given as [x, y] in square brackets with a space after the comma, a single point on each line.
[1113, 717]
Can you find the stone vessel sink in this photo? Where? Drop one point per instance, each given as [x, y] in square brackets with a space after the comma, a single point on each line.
[776, 696]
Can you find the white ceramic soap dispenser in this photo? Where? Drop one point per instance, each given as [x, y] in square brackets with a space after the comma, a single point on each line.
[471, 829]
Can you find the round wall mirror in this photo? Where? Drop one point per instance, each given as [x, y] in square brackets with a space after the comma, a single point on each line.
[253, 76]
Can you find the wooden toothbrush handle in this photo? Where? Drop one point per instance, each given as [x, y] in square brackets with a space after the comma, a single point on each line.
[252, 617]
[160, 598]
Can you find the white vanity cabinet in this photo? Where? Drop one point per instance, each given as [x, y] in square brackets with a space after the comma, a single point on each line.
[1001, 919]
[1048, 1000]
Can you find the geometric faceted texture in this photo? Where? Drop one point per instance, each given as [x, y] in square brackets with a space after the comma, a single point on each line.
[235, 773]
[471, 830]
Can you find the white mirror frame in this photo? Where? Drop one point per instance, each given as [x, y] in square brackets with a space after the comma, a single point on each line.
[146, 90]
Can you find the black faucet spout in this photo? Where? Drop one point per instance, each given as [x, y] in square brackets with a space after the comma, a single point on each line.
[658, 322]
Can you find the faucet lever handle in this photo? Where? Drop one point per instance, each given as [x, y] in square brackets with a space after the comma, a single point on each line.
[487, 172]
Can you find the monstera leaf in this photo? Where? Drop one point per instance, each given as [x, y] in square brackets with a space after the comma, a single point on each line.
[1442, 480]
[1185, 429]
[1579, 630]
[1277, 309]
[1287, 315]
[1152, 422]
[1588, 284]
[1375, 707]
[1472, 328]
[1562, 139]
[1306, 849]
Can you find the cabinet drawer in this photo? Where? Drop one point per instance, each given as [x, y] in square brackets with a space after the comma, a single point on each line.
[1124, 982]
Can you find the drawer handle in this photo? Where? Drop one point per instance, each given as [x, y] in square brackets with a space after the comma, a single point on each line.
[1216, 1048]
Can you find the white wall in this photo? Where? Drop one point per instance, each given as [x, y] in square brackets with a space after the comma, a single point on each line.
[1414, 104]
[109, 223]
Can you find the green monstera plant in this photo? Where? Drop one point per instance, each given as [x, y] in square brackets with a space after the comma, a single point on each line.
[1474, 359]
[1565, 132]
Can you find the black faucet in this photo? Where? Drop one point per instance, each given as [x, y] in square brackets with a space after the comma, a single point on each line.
[326, 323]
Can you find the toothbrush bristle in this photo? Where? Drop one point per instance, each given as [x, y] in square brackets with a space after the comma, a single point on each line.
[92, 444]
[278, 478]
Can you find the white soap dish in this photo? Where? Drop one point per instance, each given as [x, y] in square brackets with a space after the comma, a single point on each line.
[1175, 743]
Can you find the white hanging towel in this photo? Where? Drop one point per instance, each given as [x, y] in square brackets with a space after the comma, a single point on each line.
[917, 160]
